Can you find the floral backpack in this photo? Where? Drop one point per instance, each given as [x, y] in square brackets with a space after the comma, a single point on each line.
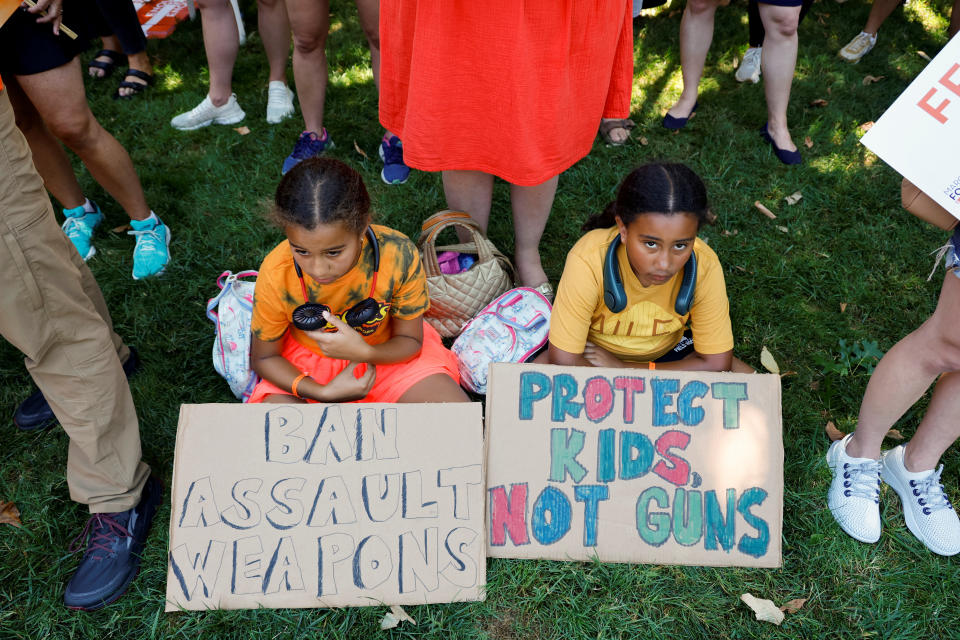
[232, 312]
[512, 328]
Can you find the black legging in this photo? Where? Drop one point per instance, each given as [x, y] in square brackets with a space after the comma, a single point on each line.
[119, 18]
[756, 24]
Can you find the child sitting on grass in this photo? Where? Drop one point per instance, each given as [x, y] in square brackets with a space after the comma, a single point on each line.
[363, 337]
[622, 300]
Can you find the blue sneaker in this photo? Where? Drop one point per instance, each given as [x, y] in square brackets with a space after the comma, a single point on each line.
[79, 227]
[309, 144]
[152, 252]
[115, 543]
[394, 170]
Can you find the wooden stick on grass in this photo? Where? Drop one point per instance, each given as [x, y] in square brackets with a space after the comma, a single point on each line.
[764, 210]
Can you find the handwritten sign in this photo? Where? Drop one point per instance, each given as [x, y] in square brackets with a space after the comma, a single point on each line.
[629, 465]
[326, 506]
[918, 134]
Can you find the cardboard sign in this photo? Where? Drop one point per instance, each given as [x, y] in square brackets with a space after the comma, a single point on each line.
[919, 134]
[159, 18]
[279, 505]
[630, 465]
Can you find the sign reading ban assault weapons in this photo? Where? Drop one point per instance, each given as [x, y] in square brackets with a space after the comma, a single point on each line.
[326, 506]
[631, 465]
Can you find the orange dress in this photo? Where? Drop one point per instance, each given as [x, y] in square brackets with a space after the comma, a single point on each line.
[515, 88]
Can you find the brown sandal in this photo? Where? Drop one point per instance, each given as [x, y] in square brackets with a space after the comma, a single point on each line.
[606, 126]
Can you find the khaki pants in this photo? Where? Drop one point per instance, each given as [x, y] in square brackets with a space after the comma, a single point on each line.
[52, 310]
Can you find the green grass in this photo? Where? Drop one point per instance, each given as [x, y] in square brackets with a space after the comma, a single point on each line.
[847, 241]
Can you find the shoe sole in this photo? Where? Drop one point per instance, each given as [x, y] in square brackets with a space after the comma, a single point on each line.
[210, 122]
[159, 273]
[281, 117]
[122, 589]
[384, 177]
[908, 514]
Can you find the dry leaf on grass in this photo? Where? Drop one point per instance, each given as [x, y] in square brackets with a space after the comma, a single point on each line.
[763, 609]
[843, 307]
[768, 361]
[357, 148]
[894, 434]
[794, 198]
[871, 79]
[923, 55]
[644, 141]
[783, 228]
[814, 385]
[832, 432]
[819, 102]
[764, 210]
[729, 232]
[793, 605]
[395, 616]
[866, 126]
[244, 130]
[809, 142]
[122, 228]
[674, 13]
[9, 514]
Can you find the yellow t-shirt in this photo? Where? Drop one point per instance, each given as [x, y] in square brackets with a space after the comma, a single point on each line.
[401, 288]
[648, 327]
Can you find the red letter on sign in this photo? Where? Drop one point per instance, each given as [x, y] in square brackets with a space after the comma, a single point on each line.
[945, 80]
[935, 112]
[508, 515]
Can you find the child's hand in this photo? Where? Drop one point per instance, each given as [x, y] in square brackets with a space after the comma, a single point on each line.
[600, 357]
[345, 386]
[344, 343]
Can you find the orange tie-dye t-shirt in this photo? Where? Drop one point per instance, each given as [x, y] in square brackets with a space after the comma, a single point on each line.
[401, 289]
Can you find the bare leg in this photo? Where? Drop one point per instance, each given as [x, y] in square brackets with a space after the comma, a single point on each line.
[369, 13]
[696, 34]
[282, 398]
[778, 63]
[59, 98]
[274, 27]
[954, 28]
[531, 208]
[310, 20]
[470, 191]
[904, 374]
[879, 12]
[221, 43]
[436, 388]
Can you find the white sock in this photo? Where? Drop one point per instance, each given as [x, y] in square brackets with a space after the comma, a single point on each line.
[151, 218]
[88, 206]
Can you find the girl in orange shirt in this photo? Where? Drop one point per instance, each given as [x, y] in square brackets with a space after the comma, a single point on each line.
[338, 308]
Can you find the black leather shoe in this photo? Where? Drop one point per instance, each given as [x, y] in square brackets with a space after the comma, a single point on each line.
[35, 413]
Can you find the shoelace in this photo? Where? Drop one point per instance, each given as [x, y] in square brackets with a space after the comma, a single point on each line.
[103, 531]
[393, 154]
[752, 55]
[929, 493]
[77, 226]
[148, 247]
[308, 145]
[862, 479]
[862, 42]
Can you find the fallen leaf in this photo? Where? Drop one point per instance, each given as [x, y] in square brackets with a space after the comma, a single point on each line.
[764, 210]
[783, 228]
[244, 130]
[871, 79]
[894, 434]
[728, 232]
[644, 141]
[821, 20]
[793, 605]
[809, 142]
[819, 102]
[794, 198]
[923, 55]
[674, 13]
[389, 621]
[739, 268]
[814, 385]
[359, 150]
[394, 617]
[829, 91]
[823, 255]
[121, 228]
[768, 361]
[763, 609]
[9, 514]
[843, 307]
[866, 126]
[832, 432]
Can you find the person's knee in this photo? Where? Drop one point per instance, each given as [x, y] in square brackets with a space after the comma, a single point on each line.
[782, 24]
[74, 130]
[701, 6]
[205, 5]
[309, 41]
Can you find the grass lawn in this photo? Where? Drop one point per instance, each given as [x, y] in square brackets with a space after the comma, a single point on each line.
[845, 263]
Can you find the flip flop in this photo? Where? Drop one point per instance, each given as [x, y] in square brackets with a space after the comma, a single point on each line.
[606, 126]
[107, 66]
[137, 87]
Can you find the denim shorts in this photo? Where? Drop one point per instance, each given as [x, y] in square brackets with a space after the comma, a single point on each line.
[953, 259]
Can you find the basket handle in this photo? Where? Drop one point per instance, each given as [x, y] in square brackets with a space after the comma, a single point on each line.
[436, 223]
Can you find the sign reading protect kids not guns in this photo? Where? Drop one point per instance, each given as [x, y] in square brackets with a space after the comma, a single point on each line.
[631, 465]
[326, 506]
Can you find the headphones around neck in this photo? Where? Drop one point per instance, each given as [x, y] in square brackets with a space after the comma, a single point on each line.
[615, 296]
[309, 315]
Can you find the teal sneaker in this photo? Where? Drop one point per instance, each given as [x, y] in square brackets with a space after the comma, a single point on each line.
[152, 252]
[79, 226]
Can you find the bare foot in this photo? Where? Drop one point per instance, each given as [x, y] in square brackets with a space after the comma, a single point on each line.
[530, 271]
[139, 62]
[781, 137]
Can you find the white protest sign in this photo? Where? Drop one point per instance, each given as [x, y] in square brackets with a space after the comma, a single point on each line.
[630, 465]
[280, 505]
[920, 133]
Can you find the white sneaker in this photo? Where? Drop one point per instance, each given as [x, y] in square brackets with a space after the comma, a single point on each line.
[854, 496]
[926, 508]
[749, 69]
[279, 102]
[206, 114]
[858, 47]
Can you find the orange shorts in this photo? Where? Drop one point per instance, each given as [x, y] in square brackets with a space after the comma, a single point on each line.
[393, 380]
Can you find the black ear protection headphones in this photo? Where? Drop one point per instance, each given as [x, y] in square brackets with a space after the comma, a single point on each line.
[309, 316]
[615, 296]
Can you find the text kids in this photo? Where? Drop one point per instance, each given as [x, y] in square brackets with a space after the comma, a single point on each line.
[640, 289]
[338, 308]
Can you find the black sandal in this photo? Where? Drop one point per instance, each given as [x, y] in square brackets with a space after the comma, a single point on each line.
[138, 87]
[107, 66]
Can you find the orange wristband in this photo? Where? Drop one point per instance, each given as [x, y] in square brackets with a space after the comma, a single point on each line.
[296, 382]
[651, 365]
